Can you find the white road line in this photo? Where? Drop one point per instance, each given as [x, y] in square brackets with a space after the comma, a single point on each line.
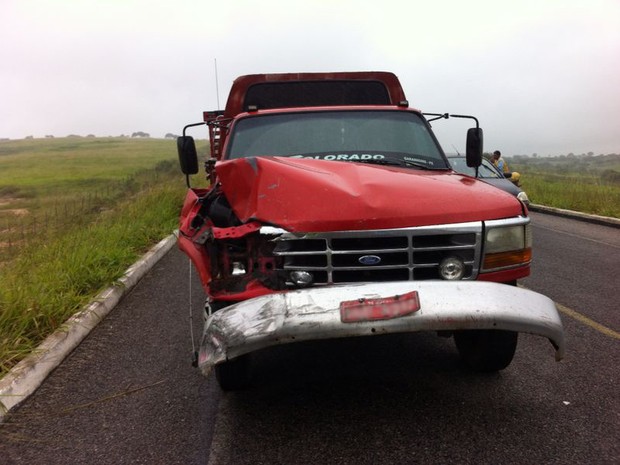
[577, 236]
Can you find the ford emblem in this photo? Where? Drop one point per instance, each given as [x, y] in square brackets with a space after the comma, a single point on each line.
[369, 260]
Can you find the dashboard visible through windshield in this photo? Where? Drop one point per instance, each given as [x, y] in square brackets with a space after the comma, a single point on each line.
[368, 136]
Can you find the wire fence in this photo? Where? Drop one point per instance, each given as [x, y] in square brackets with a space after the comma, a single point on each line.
[32, 221]
[21, 227]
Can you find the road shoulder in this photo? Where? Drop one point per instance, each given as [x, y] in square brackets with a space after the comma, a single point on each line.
[24, 379]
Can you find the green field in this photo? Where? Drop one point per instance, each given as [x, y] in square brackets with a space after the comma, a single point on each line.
[75, 213]
[589, 184]
[44, 175]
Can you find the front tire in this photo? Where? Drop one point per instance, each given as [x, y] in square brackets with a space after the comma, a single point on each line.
[486, 350]
[233, 375]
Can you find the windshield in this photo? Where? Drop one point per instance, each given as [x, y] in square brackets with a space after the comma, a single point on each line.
[372, 136]
[486, 169]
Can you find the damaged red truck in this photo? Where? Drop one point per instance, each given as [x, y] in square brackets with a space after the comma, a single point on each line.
[333, 212]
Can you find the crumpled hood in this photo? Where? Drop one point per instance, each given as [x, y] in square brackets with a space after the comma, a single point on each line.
[308, 195]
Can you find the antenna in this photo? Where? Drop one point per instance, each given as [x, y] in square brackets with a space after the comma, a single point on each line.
[217, 88]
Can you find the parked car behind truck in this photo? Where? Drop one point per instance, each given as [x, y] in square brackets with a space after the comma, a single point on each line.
[333, 212]
[490, 174]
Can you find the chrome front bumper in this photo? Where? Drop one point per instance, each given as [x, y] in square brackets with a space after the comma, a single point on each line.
[312, 314]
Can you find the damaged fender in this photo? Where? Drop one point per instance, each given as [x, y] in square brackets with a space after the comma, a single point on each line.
[312, 314]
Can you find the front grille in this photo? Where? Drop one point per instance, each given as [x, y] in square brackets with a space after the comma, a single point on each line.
[380, 255]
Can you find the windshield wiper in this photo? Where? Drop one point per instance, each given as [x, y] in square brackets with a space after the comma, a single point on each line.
[422, 166]
[382, 161]
[397, 162]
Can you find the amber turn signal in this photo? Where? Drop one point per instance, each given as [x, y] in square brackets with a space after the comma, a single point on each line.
[507, 259]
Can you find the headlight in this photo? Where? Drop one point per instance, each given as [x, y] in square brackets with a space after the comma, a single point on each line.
[452, 268]
[522, 196]
[507, 246]
[301, 278]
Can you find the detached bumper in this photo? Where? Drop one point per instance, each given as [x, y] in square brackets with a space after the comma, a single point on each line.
[311, 314]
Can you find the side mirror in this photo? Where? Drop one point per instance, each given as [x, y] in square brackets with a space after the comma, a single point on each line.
[188, 158]
[473, 153]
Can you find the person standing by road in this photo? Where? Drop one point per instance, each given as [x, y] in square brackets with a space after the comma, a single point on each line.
[499, 162]
[501, 165]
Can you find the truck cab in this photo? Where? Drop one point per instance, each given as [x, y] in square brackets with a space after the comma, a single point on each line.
[332, 212]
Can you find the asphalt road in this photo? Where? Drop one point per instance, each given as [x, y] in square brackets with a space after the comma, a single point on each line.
[129, 395]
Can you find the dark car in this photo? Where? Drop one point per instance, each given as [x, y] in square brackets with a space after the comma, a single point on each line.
[489, 174]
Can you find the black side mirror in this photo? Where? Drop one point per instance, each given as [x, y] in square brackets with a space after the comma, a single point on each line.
[473, 153]
[188, 158]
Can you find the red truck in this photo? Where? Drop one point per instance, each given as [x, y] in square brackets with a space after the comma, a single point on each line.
[333, 212]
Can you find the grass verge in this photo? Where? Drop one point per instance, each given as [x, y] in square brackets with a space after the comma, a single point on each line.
[50, 281]
[91, 208]
[578, 193]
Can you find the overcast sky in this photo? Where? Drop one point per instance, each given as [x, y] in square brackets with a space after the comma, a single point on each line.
[542, 76]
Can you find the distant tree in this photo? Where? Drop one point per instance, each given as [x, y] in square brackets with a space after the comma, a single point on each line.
[170, 136]
[534, 155]
[90, 135]
[140, 134]
[29, 137]
[49, 136]
[590, 154]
